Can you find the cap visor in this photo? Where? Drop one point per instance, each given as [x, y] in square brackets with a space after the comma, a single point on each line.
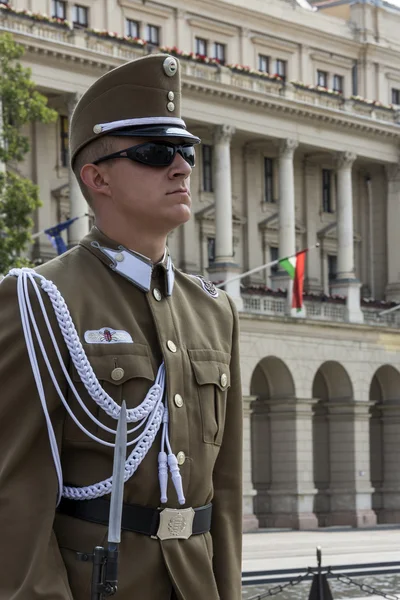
[157, 131]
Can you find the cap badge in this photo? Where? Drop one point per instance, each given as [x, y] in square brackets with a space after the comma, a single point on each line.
[170, 106]
[170, 66]
[97, 129]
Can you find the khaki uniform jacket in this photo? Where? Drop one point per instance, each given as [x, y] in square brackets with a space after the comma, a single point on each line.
[37, 546]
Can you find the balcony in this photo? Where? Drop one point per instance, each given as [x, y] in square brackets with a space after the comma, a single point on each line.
[317, 310]
[37, 31]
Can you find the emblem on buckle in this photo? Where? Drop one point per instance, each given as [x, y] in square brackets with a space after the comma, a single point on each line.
[175, 523]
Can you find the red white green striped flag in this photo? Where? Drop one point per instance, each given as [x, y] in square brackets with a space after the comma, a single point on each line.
[294, 266]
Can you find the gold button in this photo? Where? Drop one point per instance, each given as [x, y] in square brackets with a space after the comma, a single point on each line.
[178, 400]
[171, 346]
[117, 374]
[224, 380]
[157, 294]
[119, 257]
[180, 457]
[96, 128]
[171, 96]
[171, 106]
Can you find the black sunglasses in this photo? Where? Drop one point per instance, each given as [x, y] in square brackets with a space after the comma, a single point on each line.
[154, 154]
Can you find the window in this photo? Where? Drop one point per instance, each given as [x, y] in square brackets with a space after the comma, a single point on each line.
[269, 180]
[207, 168]
[281, 68]
[59, 9]
[219, 52]
[322, 79]
[327, 191]
[80, 15]
[201, 47]
[64, 141]
[153, 35]
[332, 267]
[338, 83]
[354, 79]
[211, 250]
[263, 63]
[274, 255]
[132, 28]
[395, 96]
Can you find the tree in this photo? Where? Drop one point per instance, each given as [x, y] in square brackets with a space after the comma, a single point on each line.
[20, 104]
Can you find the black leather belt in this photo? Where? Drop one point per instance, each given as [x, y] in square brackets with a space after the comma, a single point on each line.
[164, 523]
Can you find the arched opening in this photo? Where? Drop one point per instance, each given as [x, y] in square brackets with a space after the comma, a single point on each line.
[384, 391]
[331, 384]
[271, 380]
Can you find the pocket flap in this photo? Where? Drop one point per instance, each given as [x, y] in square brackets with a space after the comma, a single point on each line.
[211, 367]
[133, 364]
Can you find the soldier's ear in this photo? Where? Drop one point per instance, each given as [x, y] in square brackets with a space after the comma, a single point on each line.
[95, 178]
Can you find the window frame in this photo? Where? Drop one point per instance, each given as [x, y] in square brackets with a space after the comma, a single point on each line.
[220, 46]
[198, 41]
[207, 168]
[64, 138]
[55, 5]
[284, 64]
[211, 250]
[128, 24]
[322, 78]
[340, 79]
[78, 9]
[274, 255]
[396, 92]
[150, 29]
[269, 180]
[264, 58]
[331, 258]
[327, 204]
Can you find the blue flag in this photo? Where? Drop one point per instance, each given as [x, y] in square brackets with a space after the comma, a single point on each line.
[54, 235]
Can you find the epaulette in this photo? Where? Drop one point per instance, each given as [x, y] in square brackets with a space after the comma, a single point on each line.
[207, 286]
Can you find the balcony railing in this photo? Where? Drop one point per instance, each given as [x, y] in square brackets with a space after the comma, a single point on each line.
[317, 310]
[103, 45]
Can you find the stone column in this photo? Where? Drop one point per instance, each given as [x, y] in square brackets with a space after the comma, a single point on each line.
[254, 247]
[313, 263]
[393, 221]
[250, 521]
[390, 490]
[188, 235]
[287, 234]
[224, 266]
[346, 283]
[77, 202]
[246, 57]
[291, 492]
[350, 489]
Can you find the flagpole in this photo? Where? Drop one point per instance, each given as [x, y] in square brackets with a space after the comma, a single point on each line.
[389, 310]
[258, 269]
[39, 233]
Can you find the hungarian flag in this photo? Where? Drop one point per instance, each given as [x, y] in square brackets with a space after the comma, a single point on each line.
[294, 266]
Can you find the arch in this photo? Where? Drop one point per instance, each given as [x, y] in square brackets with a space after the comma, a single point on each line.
[331, 383]
[271, 380]
[384, 389]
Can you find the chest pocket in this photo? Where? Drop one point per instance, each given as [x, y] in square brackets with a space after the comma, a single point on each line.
[212, 374]
[124, 374]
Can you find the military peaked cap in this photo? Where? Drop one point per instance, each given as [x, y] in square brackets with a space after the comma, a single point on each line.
[141, 98]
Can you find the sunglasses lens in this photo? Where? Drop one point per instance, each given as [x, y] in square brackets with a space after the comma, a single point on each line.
[189, 154]
[154, 155]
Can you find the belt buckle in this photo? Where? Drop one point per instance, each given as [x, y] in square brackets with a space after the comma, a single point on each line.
[175, 523]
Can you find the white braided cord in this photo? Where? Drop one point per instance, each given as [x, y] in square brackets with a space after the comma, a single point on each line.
[151, 409]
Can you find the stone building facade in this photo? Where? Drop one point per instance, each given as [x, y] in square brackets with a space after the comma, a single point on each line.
[299, 113]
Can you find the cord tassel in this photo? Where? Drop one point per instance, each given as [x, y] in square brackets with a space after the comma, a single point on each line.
[163, 475]
[176, 477]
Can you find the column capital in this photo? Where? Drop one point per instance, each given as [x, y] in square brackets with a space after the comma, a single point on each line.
[287, 148]
[345, 160]
[393, 172]
[223, 133]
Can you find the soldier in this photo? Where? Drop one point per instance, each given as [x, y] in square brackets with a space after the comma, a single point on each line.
[112, 319]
